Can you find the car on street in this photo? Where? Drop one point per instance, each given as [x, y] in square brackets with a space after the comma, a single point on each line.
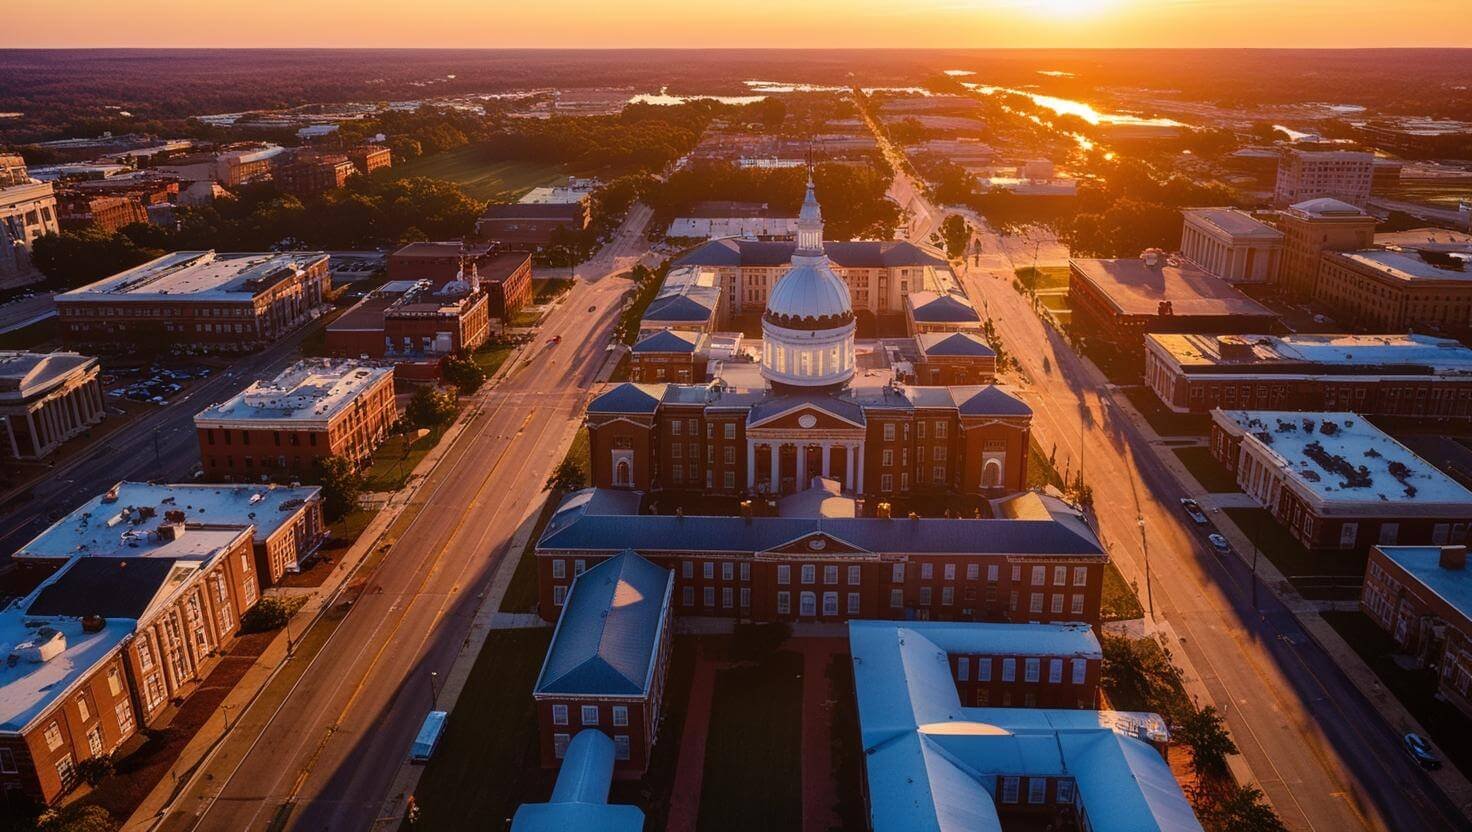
[1193, 509]
[1420, 751]
[1219, 543]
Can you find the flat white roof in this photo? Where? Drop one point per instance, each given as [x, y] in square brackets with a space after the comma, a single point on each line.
[112, 522]
[1232, 223]
[28, 688]
[1372, 353]
[196, 275]
[1341, 457]
[311, 390]
[24, 374]
[1408, 264]
[1454, 586]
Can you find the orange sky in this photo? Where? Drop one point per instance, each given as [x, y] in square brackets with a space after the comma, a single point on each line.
[734, 23]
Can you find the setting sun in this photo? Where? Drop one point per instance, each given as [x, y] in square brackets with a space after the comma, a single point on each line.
[1070, 9]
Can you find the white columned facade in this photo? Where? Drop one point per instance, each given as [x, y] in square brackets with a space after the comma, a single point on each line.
[775, 478]
[848, 460]
[750, 463]
[827, 459]
[802, 465]
[859, 464]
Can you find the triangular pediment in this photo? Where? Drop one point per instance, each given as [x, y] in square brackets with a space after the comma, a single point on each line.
[806, 415]
[818, 543]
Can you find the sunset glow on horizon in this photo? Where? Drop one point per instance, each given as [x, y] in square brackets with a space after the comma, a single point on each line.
[729, 24]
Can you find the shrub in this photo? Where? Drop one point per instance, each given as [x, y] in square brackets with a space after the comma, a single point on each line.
[431, 407]
[270, 614]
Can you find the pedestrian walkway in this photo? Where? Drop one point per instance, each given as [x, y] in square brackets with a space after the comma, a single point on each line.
[819, 789]
[1234, 499]
[690, 770]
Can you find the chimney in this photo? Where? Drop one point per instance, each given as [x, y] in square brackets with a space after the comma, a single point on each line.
[882, 510]
[92, 623]
[170, 531]
[1454, 557]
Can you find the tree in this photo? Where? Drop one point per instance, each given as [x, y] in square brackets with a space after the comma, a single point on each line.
[1241, 809]
[431, 407]
[1206, 735]
[94, 769]
[341, 484]
[77, 818]
[74, 258]
[956, 233]
[568, 476]
[462, 371]
[1139, 672]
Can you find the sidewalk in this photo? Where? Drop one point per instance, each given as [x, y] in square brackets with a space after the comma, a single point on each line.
[211, 735]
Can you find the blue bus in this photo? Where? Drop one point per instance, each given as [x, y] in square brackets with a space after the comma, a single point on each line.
[429, 737]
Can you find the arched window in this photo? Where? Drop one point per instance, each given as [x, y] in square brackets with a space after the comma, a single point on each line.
[621, 473]
[991, 474]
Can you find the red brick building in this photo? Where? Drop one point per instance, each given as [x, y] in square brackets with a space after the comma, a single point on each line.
[1391, 375]
[1337, 482]
[1040, 563]
[1121, 300]
[278, 430]
[368, 158]
[953, 359]
[197, 300]
[669, 355]
[1422, 597]
[529, 226]
[123, 631]
[108, 213]
[605, 668]
[505, 277]
[309, 173]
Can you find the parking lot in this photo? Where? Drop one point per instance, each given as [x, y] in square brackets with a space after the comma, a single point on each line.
[155, 383]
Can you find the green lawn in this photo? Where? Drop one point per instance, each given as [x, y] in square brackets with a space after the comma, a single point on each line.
[1316, 575]
[487, 763]
[753, 765]
[550, 288]
[490, 358]
[1207, 471]
[481, 174]
[1040, 471]
[1416, 689]
[395, 459]
[1044, 277]
[1119, 602]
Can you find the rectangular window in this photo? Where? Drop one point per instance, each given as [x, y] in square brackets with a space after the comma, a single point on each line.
[1064, 791]
[708, 597]
[854, 574]
[927, 571]
[84, 712]
[728, 570]
[1009, 789]
[579, 566]
[809, 573]
[559, 745]
[1080, 576]
[559, 594]
[984, 669]
[973, 571]
[727, 597]
[897, 574]
[784, 574]
[925, 596]
[745, 598]
[621, 746]
[1078, 604]
[7, 762]
[620, 716]
[784, 603]
[963, 669]
[687, 569]
[1056, 604]
[853, 603]
[590, 714]
[1055, 671]
[67, 771]
[1039, 575]
[1060, 575]
[1035, 603]
[729, 430]
[991, 573]
[896, 598]
[124, 711]
[708, 570]
[1031, 668]
[1037, 789]
[947, 596]
[830, 603]
[950, 571]
[687, 596]
[53, 736]
[559, 568]
[559, 714]
[1009, 670]
[830, 574]
[745, 571]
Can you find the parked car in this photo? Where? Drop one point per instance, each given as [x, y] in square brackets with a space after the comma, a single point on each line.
[1420, 751]
[1193, 509]
[1219, 543]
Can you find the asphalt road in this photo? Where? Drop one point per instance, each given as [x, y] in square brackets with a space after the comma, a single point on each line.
[327, 757]
[1324, 756]
[161, 445]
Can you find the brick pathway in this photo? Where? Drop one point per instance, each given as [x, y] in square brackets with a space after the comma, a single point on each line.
[685, 796]
[819, 794]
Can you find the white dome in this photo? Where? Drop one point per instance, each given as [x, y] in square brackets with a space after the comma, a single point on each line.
[809, 291]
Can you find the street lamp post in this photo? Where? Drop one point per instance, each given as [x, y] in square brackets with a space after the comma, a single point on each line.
[434, 692]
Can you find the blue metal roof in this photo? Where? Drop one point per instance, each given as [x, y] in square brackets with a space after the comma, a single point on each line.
[927, 535]
[846, 253]
[954, 343]
[609, 630]
[946, 308]
[776, 405]
[668, 340]
[693, 305]
[629, 397]
[991, 400]
[580, 797]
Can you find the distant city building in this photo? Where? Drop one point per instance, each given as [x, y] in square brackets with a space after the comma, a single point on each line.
[414, 325]
[278, 430]
[285, 524]
[106, 213]
[530, 225]
[505, 276]
[1335, 481]
[1123, 299]
[1421, 596]
[1311, 228]
[27, 211]
[47, 399]
[198, 300]
[1231, 245]
[1345, 175]
[308, 173]
[606, 666]
[1390, 375]
[368, 158]
[1031, 558]
[230, 166]
[1426, 287]
[933, 762]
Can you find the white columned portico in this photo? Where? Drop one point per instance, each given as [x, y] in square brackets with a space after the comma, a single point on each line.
[776, 475]
[827, 459]
[848, 460]
[750, 463]
[802, 465]
[859, 464]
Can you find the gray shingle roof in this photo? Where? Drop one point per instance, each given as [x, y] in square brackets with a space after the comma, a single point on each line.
[992, 400]
[106, 587]
[694, 305]
[954, 344]
[628, 397]
[777, 405]
[945, 308]
[609, 631]
[668, 341]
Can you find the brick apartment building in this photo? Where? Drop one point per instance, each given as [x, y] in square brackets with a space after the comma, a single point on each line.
[278, 430]
[286, 523]
[102, 647]
[1422, 597]
[47, 399]
[506, 277]
[413, 324]
[368, 158]
[1336, 482]
[529, 226]
[1034, 560]
[197, 300]
[1391, 375]
[309, 173]
[107, 213]
[605, 668]
[1121, 300]
[954, 359]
